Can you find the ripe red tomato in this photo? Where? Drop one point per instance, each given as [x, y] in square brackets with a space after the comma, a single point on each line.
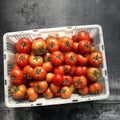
[95, 59]
[83, 35]
[67, 69]
[23, 45]
[75, 47]
[82, 59]
[39, 73]
[52, 44]
[48, 66]
[74, 38]
[80, 81]
[67, 80]
[16, 76]
[27, 71]
[80, 70]
[84, 46]
[57, 58]
[95, 88]
[59, 70]
[70, 58]
[57, 79]
[66, 43]
[22, 59]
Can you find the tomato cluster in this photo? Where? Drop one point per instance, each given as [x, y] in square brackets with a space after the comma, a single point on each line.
[56, 67]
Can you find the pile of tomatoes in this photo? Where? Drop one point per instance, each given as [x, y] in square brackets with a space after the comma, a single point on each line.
[56, 67]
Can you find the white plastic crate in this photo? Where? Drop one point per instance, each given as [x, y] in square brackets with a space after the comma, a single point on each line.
[10, 38]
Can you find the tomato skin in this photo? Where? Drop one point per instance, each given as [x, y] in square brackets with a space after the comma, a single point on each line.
[75, 47]
[83, 91]
[48, 94]
[67, 80]
[27, 70]
[35, 60]
[39, 73]
[16, 76]
[57, 58]
[80, 70]
[95, 88]
[22, 59]
[48, 66]
[80, 81]
[66, 44]
[84, 46]
[70, 58]
[49, 77]
[41, 86]
[39, 46]
[83, 35]
[82, 59]
[93, 73]
[95, 59]
[66, 92]
[59, 70]
[52, 44]
[18, 92]
[32, 95]
[74, 38]
[57, 79]
[23, 45]
[47, 57]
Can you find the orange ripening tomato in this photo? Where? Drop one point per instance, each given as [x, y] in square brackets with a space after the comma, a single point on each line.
[83, 91]
[55, 88]
[41, 86]
[66, 92]
[18, 92]
[35, 60]
[95, 88]
[48, 94]
[48, 66]
[32, 95]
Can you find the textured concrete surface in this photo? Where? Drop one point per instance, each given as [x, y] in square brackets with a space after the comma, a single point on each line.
[16, 15]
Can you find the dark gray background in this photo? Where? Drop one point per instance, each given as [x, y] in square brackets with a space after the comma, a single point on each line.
[16, 15]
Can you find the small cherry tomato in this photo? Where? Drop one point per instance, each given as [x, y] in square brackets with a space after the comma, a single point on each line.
[67, 69]
[59, 70]
[75, 47]
[49, 77]
[80, 70]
